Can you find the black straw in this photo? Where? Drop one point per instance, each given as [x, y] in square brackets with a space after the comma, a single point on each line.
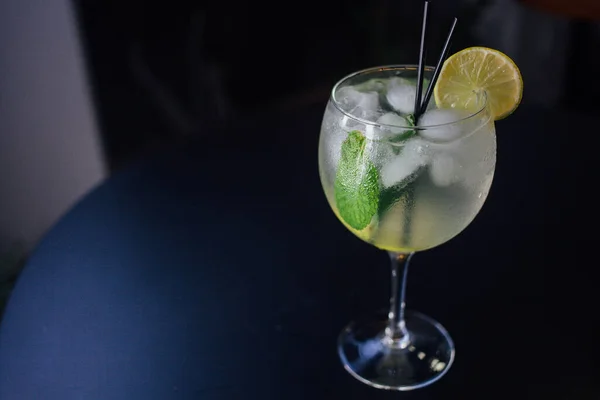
[438, 67]
[421, 65]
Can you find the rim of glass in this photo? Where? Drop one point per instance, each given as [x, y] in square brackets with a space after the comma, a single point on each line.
[394, 67]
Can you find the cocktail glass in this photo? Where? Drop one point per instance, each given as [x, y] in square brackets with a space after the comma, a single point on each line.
[403, 189]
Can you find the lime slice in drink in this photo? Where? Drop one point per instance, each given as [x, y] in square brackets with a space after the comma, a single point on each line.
[477, 69]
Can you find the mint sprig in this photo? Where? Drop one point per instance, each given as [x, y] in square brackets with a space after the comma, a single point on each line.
[356, 183]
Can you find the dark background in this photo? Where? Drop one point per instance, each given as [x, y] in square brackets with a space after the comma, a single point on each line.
[171, 72]
[167, 71]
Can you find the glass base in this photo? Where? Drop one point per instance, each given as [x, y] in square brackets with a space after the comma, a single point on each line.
[417, 361]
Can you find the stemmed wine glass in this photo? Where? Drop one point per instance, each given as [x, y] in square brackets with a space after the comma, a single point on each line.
[403, 189]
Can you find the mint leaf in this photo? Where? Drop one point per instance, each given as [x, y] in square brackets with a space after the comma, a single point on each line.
[356, 183]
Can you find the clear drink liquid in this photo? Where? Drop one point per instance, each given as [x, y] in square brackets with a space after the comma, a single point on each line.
[431, 185]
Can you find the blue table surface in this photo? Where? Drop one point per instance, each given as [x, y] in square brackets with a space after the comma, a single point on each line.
[216, 270]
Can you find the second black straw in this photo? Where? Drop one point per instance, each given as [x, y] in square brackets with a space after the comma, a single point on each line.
[421, 104]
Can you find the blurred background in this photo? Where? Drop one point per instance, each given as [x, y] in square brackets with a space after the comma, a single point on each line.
[89, 86]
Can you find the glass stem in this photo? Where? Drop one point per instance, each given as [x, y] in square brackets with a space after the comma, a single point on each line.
[396, 334]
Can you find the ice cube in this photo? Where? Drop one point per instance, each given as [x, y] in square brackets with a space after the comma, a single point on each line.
[363, 105]
[393, 121]
[349, 124]
[401, 95]
[444, 170]
[349, 98]
[387, 130]
[376, 85]
[444, 123]
[414, 154]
